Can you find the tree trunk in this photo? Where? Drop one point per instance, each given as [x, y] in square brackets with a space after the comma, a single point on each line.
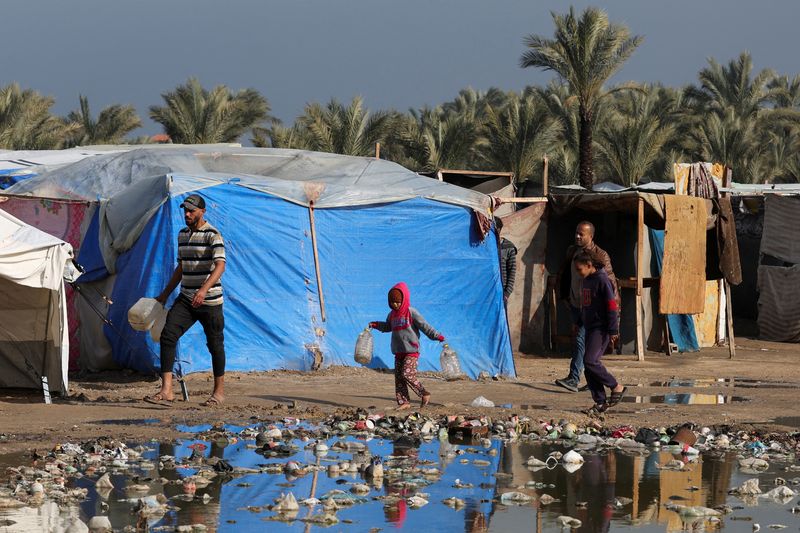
[586, 165]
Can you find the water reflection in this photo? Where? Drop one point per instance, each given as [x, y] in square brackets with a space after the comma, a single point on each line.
[613, 490]
[616, 490]
[686, 399]
[742, 383]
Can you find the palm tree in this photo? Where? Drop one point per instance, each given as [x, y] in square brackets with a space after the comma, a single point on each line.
[193, 115]
[633, 139]
[111, 126]
[563, 108]
[739, 127]
[434, 139]
[732, 87]
[519, 134]
[26, 122]
[276, 135]
[350, 130]
[473, 104]
[785, 92]
[734, 141]
[585, 52]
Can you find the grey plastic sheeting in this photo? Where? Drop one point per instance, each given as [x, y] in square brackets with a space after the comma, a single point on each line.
[131, 186]
[330, 180]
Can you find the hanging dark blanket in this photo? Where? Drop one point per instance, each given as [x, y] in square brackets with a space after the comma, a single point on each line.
[722, 248]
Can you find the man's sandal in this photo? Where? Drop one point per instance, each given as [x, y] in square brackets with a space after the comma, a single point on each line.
[212, 401]
[616, 397]
[158, 399]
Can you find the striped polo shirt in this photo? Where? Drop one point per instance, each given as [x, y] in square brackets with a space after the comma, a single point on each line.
[198, 251]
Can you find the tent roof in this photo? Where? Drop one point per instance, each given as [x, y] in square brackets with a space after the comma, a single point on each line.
[329, 180]
[622, 202]
[29, 256]
[625, 202]
[49, 159]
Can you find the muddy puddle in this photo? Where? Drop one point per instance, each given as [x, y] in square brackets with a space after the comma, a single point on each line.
[128, 422]
[686, 399]
[427, 485]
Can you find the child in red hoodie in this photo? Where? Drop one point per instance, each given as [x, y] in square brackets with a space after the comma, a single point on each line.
[600, 318]
[405, 323]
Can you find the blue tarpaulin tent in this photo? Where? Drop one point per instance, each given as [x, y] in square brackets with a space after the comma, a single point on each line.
[375, 222]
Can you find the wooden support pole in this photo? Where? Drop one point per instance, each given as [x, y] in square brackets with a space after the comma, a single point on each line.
[553, 316]
[638, 461]
[729, 318]
[377, 150]
[639, 277]
[544, 175]
[667, 343]
[316, 260]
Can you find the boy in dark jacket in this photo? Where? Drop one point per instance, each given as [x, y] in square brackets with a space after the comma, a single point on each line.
[600, 318]
[405, 323]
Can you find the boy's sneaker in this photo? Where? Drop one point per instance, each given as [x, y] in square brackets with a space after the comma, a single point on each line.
[567, 384]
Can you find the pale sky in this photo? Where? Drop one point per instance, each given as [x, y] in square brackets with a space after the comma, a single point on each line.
[400, 54]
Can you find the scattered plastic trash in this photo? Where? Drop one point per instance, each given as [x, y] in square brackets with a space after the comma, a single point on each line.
[99, 524]
[747, 488]
[696, 511]
[516, 498]
[546, 499]
[415, 502]
[480, 401]
[364, 344]
[350, 446]
[572, 457]
[455, 503]
[753, 465]
[567, 522]
[780, 494]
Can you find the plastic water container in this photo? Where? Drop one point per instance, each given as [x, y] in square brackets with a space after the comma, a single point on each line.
[449, 363]
[363, 351]
[158, 325]
[144, 313]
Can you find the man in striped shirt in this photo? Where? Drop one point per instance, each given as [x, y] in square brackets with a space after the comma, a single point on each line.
[201, 263]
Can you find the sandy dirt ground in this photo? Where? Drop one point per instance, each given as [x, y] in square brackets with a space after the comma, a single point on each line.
[766, 376]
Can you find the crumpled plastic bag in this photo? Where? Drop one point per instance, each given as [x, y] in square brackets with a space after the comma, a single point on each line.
[364, 344]
[480, 401]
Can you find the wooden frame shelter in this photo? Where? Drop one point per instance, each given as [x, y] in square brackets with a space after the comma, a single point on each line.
[647, 210]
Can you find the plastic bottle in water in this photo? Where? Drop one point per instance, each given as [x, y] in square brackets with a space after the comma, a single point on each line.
[449, 363]
[363, 352]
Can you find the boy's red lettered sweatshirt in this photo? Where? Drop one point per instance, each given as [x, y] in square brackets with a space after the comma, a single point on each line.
[405, 324]
[599, 309]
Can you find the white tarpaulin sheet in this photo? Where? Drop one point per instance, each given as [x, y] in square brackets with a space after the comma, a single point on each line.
[34, 339]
